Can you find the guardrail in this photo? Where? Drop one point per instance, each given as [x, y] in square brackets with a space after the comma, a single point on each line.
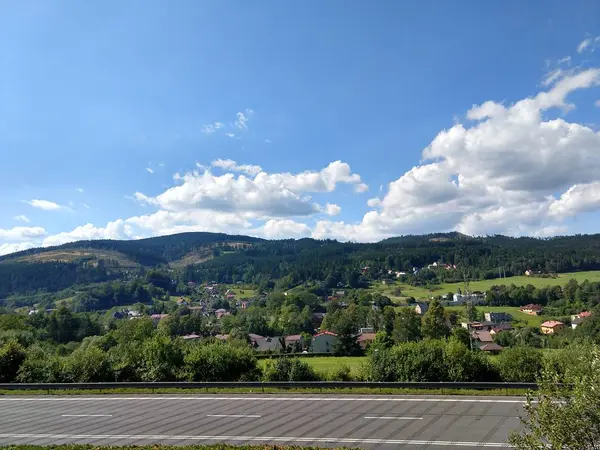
[266, 385]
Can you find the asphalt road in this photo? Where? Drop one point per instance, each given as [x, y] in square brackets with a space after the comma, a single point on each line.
[326, 421]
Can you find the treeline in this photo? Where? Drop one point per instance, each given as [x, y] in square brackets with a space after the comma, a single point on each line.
[287, 263]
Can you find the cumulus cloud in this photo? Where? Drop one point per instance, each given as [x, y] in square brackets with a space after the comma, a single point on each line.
[46, 205]
[7, 248]
[286, 228]
[228, 164]
[497, 175]
[22, 218]
[22, 233]
[332, 209]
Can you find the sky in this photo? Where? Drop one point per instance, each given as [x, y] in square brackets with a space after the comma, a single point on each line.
[355, 121]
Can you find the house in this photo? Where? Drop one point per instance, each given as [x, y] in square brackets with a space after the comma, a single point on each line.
[295, 342]
[182, 302]
[222, 337]
[366, 330]
[498, 317]
[323, 342]
[317, 319]
[221, 312]
[479, 326]
[552, 326]
[158, 317]
[119, 315]
[475, 297]
[421, 308]
[265, 344]
[32, 312]
[365, 339]
[576, 322]
[531, 309]
[581, 315]
[483, 336]
[491, 347]
[340, 293]
[498, 328]
[528, 273]
[134, 314]
[191, 337]
[255, 337]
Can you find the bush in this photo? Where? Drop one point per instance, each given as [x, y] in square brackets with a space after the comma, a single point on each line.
[519, 364]
[220, 362]
[340, 373]
[289, 369]
[12, 355]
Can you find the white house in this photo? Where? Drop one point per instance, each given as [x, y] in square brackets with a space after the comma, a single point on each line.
[323, 342]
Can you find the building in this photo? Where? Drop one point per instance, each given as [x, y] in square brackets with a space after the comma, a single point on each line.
[295, 342]
[365, 339]
[366, 330]
[182, 302]
[266, 344]
[483, 337]
[421, 308]
[498, 328]
[323, 342]
[475, 297]
[531, 309]
[158, 317]
[581, 315]
[191, 337]
[498, 317]
[317, 319]
[491, 348]
[576, 322]
[552, 326]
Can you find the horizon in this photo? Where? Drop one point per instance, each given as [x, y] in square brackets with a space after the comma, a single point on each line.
[145, 119]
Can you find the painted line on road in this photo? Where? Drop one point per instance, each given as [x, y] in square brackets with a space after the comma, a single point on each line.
[232, 415]
[159, 437]
[266, 399]
[393, 418]
[86, 415]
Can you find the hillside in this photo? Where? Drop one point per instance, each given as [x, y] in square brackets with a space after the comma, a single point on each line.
[285, 263]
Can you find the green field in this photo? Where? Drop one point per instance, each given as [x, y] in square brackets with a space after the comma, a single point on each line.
[483, 285]
[325, 364]
[528, 320]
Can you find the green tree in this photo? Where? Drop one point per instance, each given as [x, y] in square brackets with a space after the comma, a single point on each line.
[345, 343]
[564, 413]
[519, 364]
[289, 369]
[12, 355]
[433, 323]
[162, 359]
[407, 326]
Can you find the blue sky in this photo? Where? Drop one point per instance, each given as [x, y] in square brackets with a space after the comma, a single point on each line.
[93, 94]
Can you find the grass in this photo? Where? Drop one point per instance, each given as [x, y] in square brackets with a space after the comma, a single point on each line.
[420, 292]
[326, 364]
[528, 320]
[266, 390]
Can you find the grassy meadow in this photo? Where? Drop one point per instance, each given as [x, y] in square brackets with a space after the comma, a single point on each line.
[325, 364]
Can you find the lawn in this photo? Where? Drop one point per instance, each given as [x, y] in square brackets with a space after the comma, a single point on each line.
[326, 364]
[530, 321]
[483, 285]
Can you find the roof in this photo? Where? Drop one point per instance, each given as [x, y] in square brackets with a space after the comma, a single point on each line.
[366, 337]
[577, 320]
[293, 337]
[159, 316]
[483, 336]
[584, 314]
[191, 336]
[222, 337]
[325, 333]
[268, 343]
[532, 307]
[491, 347]
[551, 323]
[255, 337]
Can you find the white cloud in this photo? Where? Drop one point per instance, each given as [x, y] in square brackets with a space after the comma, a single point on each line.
[598, 103]
[230, 135]
[22, 233]
[332, 209]
[566, 60]
[212, 127]
[46, 205]
[228, 164]
[149, 170]
[361, 187]
[589, 44]
[498, 175]
[286, 228]
[242, 119]
[268, 141]
[5, 249]
[85, 205]
[22, 218]
[80, 190]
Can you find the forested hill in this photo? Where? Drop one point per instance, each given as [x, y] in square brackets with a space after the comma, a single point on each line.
[226, 258]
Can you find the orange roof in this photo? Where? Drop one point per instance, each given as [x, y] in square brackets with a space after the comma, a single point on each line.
[532, 307]
[551, 323]
[325, 332]
[584, 314]
[366, 337]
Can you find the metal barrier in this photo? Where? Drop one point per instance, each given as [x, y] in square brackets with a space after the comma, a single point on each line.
[267, 385]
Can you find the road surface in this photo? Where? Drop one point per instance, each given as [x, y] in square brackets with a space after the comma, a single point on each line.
[382, 422]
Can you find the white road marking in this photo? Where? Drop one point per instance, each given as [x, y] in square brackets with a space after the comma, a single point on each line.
[267, 398]
[156, 437]
[393, 418]
[86, 415]
[232, 415]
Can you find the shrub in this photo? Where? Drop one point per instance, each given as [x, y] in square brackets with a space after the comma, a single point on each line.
[340, 373]
[519, 364]
[12, 355]
[220, 362]
[289, 369]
